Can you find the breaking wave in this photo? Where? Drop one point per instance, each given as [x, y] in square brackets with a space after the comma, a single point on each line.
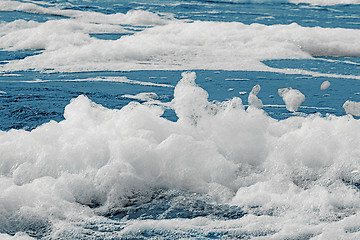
[285, 178]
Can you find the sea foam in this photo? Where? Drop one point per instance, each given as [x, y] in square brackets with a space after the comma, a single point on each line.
[325, 85]
[173, 45]
[326, 2]
[292, 98]
[132, 17]
[312, 2]
[352, 107]
[291, 178]
[253, 100]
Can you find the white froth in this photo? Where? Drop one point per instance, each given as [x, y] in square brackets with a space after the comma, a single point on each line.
[325, 85]
[237, 79]
[352, 107]
[253, 100]
[292, 175]
[312, 2]
[176, 45]
[143, 96]
[118, 80]
[326, 2]
[190, 101]
[133, 17]
[17, 236]
[55, 34]
[101, 79]
[292, 98]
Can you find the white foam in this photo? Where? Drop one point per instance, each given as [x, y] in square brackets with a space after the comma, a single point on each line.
[352, 107]
[292, 98]
[339, 61]
[133, 17]
[56, 34]
[17, 236]
[313, 74]
[292, 177]
[325, 85]
[11, 75]
[100, 79]
[237, 79]
[253, 100]
[178, 45]
[117, 80]
[312, 2]
[326, 2]
[301, 107]
[148, 96]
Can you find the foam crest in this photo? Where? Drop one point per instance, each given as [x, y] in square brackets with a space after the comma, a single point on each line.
[298, 175]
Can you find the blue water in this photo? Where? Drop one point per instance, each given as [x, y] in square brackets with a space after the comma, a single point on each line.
[26, 102]
[27, 105]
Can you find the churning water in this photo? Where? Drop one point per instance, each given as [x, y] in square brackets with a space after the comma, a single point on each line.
[166, 119]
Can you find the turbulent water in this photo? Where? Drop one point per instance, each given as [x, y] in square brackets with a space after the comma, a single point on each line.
[193, 119]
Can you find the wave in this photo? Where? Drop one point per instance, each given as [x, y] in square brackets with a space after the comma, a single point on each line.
[174, 46]
[300, 173]
[311, 2]
[133, 17]
[100, 79]
[326, 2]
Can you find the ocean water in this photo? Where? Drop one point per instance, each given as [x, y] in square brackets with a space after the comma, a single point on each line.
[167, 119]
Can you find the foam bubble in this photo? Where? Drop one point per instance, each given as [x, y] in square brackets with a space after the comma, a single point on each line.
[325, 85]
[253, 100]
[352, 107]
[292, 98]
